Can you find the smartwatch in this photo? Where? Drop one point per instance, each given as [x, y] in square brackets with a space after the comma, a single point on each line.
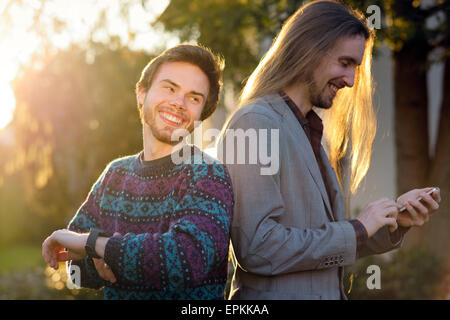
[94, 233]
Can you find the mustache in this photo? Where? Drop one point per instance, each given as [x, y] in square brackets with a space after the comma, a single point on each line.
[338, 83]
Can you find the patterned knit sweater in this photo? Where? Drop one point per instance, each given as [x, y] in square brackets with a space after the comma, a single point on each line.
[174, 222]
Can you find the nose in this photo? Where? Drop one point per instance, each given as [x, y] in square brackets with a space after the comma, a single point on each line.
[178, 101]
[349, 78]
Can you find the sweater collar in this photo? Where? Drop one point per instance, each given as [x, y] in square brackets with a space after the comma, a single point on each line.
[161, 165]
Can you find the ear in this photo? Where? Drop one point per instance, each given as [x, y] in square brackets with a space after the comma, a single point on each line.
[141, 96]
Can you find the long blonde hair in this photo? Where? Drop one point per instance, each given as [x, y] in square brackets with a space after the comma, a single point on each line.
[303, 41]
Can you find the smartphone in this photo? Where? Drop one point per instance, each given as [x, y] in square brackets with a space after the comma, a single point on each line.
[420, 198]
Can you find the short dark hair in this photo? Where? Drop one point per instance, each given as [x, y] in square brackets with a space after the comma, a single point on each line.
[202, 57]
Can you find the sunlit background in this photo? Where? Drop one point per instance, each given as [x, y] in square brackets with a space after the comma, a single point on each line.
[66, 22]
[32, 31]
[67, 108]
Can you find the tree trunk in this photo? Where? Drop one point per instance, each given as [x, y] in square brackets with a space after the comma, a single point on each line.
[411, 126]
[415, 169]
[437, 231]
[439, 238]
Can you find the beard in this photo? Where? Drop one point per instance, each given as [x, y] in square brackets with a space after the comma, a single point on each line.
[162, 132]
[319, 97]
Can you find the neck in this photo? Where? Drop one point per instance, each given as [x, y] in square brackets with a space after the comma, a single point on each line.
[154, 148]
[299, 94]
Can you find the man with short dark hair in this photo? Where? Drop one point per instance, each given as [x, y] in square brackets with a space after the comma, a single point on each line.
[289, 234]
[152, 228]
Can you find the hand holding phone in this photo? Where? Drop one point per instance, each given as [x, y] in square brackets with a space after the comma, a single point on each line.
[416, 211]
[420, 198]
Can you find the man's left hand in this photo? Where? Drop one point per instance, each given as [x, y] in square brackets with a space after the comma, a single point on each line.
[53, 246]
[417, 212]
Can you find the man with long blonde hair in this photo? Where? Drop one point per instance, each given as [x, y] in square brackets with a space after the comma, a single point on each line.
[289, 234]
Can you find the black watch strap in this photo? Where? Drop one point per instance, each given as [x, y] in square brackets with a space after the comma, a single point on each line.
[94, 233]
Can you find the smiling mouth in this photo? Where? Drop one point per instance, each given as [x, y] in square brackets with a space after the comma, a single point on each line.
[334, 88]
[171, 119]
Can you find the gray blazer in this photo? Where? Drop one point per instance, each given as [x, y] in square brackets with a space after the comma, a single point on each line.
[290, 238]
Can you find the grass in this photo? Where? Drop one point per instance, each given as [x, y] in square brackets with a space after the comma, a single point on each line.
[25, 275]
[20, 257]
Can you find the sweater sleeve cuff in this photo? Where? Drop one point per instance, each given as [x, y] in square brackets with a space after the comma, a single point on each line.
[361, 235]
[112, 254]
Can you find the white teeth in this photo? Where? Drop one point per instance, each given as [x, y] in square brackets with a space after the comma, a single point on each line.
[334, 88]
[170, 118]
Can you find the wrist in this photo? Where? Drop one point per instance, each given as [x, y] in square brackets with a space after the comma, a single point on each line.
[100, 246]
[96, 243]
[76, 242]
[82, 243]
[70, 240]
[361, 234]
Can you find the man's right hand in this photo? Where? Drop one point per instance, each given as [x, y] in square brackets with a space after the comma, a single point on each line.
[104, 271]
[378, 214]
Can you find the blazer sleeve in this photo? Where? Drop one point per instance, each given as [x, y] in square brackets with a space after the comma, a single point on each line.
[261, 244]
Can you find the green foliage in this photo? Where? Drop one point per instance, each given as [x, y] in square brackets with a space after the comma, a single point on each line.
[242, 30]
[406, 24]
[410, 274]
[237, 29]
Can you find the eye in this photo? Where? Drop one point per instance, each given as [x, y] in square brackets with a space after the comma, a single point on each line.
[195, 99]
[345, 64]
[169, 88]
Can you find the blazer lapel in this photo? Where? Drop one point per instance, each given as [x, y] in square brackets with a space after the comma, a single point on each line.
[335, 193]
[293, 126]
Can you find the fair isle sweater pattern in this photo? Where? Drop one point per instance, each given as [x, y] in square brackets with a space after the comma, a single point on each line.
[174, 222]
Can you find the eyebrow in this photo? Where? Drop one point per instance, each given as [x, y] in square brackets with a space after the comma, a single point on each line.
[177, 86]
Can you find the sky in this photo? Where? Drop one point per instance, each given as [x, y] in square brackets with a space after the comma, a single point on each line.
[18, 40]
